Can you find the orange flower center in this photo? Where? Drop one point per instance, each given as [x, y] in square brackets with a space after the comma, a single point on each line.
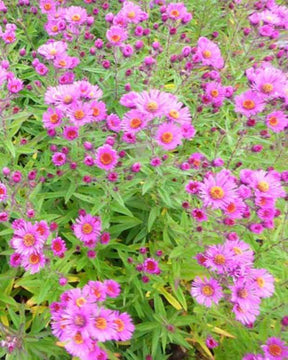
[120, 325]
[53, 52]
[106, 158]
[135, 123]
[248, 104]
[96, 111]
[275, 350]
[267, 88]
[34, 259]
[76, 17]
[79, 320]
[167, 137]
[87, 228]
[231, 208]
[219, 259]
[57, 246]
[41, 229]
[78, 339]
[206, 54]
[131, 15]
[62, 63]
[29, 240]
[263, 186]
[115, 38]
[207, 290]
[152, 106]
[260, 282]
[80, 302]
[214, 93]
[2, 191]
[47, 7]
[150, 266]
[243, 293]
[174, 114]
[237, 251]
[54, 118]
[100, 323]
[54, 28]
[175, 13]
[79, 114]
[273, 121]
[67, 99]
[217, 193]
[9, 38]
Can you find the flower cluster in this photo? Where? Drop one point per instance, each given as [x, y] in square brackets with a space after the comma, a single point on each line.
[9, 34]
[80, 320]
[28, 242]
[13, 84]
[274, 349]
[233, 263]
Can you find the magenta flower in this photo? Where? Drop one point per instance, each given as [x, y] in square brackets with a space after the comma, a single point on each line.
[245, 293]
[87, 227]
[52, 118]
[277, 121]
[116, 35]
[97, 290]
[106, 157]
[206, 291]
[59, 159]
[102, 326]
[27, 240]
[275, 349]
[112, 288]
[151, 266]
[168, 136]
[124, 326]
[3, 192]
[133, 121]
[33, 262]
[246, 315]
[80, 113]
[151, 103]
[75, 15]
[263, 282]
[58, 246]
[113, 122]
[176, 11]
[218, 258]
[98, 109]
[249, 103]
[51, 50]
[268, 82]
[209, 53]
[218, 191]
[71, 132]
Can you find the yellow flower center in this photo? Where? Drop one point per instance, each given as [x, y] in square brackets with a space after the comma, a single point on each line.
[131, 15]
[175, 13]
[100, 323]
[76, 17]
[87, 228]
[29, 239]
[214, 93]
[34, 259]
[206, 54]
[120, 325]
[67, 99]
[174, 114]
[80, 301]
[78, 339]
[79, 114]
[260, 282]
[54, 28]
[53, 52]
[217, 193]
[237, 251]
[62, 63]
[219, 259]
[152, 106]
[135, 123]
[115, 38]
[54, 118]
[273, 121]
[207, 290]
[267, 88]
[263, 186]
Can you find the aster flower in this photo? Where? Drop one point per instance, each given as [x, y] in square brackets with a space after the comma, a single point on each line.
[133, 121]
[47, 6]
[79, 345]
[245, 293]
[218, 258]
[151, 266]
[268, 82]
[152, 103]
[87, 90]
[263, 282]
[124, 326]
[3, 192]
[215, 93]
[253, 357]
[209, 53]
[199, 215]
[116, 35]
[27, 240]
[53, 49]
[235, 209]
[168, 136]
[249, 103]
[98, 109]
[218, 191]
[206, 291]
[97, 290]
[277, 121]
[58, 246]
[15, 259]
[275, 349]
[102, 326]
[75, 15]
[131, 12]
[80, 113]
[112, 288]
[52, 118]
[87, 227]
[59, 159]
[176, 11]
[129, 99]
[71, 132]
[175, 111]
[193, 187]
[242, 253]
[106, 157]
[113, 122]
[266, 184]
[33, 262]
[246, 315]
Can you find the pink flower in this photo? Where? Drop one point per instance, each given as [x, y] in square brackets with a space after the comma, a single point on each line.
[268, 82]
[176, 11]
[218, 258]
[52, 118]
[218, 191]
[15, 259]
[263, 282]
[168, 136]
[97, 290]
[199, 215]
[235, 209]
[87, 227]
[277, 121]
[98, 109]
[249, 103]
[113, 122]
[124, 326]
[206, 291]
[112, 288]
[245, 293]
[246, 315]
[275, 349]
[151, 266]
[116, 35]
[106, 157]
[33, 262]
[132, 12]
[209, 53]
[27, 240]
[3, 192]
[211, 342]
[152, 103]
[266, 184]
[215, 92]
[193, 187]
[47, 6]
[71, 132]
[75, 15]
[14, 85]
[53, 49]
[58, 246]
[59, 159]
[133, 121]
[102, 326]
[80, 113]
